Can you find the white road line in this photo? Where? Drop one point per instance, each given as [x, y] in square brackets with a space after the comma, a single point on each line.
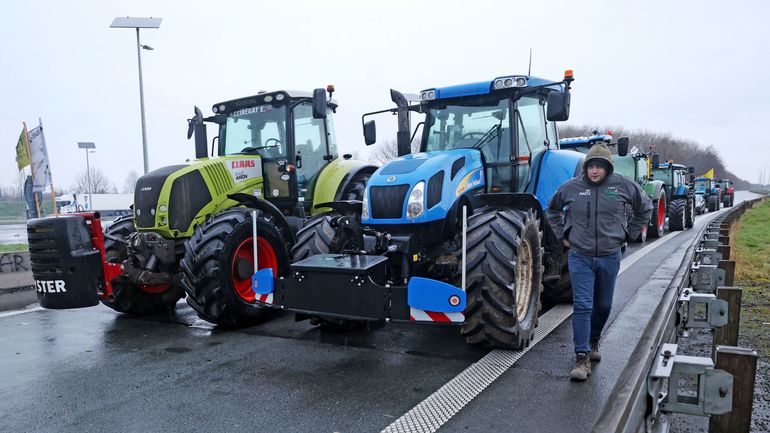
[433, 412]
[17, 312]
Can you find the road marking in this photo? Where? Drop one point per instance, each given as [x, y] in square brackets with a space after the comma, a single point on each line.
[17, 312]
[433, 412]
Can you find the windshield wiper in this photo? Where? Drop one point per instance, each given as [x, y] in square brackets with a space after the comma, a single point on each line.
[487, 135]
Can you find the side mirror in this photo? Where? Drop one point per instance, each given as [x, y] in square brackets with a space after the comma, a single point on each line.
[319, 104]
[370, 132]
[198, 128]
[558, 106]
[622, 146]
[691, 169]
[655, 160]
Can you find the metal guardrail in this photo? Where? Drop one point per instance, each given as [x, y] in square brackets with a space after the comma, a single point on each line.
[629, 404]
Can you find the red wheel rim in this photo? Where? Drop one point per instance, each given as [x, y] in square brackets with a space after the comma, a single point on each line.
[661, 212]
[266, 257]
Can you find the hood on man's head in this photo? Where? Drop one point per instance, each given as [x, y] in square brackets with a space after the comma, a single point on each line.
[601, 152]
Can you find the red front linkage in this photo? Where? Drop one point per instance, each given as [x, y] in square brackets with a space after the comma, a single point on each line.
[110, 271]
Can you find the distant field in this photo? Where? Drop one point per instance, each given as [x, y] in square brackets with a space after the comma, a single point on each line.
[17, 210]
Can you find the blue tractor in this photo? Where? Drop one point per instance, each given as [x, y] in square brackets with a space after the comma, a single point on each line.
[407, 252]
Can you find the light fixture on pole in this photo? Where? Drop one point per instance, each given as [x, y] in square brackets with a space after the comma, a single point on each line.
[139, 23]
[87, 146]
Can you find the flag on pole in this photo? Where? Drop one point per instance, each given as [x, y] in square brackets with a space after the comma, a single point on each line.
[22, 150]
[709, 174]
[41, 169]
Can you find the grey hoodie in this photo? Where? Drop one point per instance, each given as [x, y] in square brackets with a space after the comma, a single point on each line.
[592, 217]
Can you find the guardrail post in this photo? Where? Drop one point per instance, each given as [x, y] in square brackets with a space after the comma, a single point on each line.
[725, 250]
[729, 267]
[742, 364]
[727, 335]
[724, 231]
[724, 240]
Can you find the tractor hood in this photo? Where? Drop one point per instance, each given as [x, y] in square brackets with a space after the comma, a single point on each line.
[443, 176]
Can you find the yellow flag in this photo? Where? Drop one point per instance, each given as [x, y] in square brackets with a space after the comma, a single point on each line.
[22, 150]
[709, 174]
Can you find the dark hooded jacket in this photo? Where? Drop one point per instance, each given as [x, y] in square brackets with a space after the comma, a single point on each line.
[593, 217]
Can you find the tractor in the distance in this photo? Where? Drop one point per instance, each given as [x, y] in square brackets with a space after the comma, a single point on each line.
[728, 192]
[681, 194]
[710, 193]
[191, 228]
[489, 150]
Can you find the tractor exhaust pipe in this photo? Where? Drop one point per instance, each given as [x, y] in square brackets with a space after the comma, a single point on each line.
[403, 139]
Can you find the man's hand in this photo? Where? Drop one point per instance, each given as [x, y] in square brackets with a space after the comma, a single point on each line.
[565, 243]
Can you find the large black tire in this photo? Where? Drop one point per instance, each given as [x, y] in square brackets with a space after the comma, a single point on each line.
[727, 200]
[127, 296]
[712, 203]
[314, 238]
[558, 291]
[218, 264]
[677, 214]
[690, 218]
[658, 225]
[504, 278]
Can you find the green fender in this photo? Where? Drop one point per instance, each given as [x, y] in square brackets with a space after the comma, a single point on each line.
[653, 189]
[333, 178]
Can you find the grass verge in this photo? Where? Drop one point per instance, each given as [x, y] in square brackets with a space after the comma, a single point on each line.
[750, 239]
[7, 248]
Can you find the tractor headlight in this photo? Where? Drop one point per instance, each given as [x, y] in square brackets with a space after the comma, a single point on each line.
[365, 205]
[415, 205]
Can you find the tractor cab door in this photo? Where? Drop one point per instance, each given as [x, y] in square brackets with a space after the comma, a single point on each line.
[314, 148]
[531, 139]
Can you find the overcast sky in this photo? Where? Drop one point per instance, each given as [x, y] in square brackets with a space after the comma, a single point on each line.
[698, 69]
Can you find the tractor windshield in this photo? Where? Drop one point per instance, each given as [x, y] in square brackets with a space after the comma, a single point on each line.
[256, 130]
[482, 125]
[702, 184]
[662, 174]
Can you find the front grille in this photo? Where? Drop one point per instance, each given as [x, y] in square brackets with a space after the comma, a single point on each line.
[147, 192]
[387, 201]
[189, 194]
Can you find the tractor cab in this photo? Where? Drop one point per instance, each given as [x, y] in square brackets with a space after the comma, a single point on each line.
[674, 176]
[292, 133]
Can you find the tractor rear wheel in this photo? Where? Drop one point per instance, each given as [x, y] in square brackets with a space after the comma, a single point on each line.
[690, 218]
[677, 214]
[713, 203]
[658, 225]
[558, 291]
[218, 265]
[127, 296]
[504, 278]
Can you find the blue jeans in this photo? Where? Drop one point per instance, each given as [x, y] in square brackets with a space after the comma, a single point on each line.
[593, 283]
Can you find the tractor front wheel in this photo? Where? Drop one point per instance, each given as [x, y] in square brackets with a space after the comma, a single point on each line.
[659, 216]
[504, 278]
[127, 296]
[713, 203]
[690, 219]
[218, 265]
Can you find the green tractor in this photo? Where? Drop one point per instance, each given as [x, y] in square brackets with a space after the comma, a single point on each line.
[681, 193]
[191, 230]
[638, 166]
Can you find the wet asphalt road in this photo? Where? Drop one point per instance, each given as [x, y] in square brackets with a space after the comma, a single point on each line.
[94, 370]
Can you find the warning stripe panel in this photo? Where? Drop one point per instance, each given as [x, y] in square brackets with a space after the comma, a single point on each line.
[266, 299]
[418, 315]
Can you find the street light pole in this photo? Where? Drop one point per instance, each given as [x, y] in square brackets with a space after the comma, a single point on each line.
[139, 23]
[141, 104]
[87, 146]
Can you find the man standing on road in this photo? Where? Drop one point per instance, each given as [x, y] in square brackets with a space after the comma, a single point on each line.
[588, 214]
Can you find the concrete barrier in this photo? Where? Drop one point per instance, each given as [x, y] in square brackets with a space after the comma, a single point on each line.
[16, 284]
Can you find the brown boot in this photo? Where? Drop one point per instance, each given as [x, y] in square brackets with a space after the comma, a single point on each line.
[595, 355]
[582, 367]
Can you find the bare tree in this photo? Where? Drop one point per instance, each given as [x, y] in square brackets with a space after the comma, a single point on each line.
[100, 183]
[387, 150]
[130, 183]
